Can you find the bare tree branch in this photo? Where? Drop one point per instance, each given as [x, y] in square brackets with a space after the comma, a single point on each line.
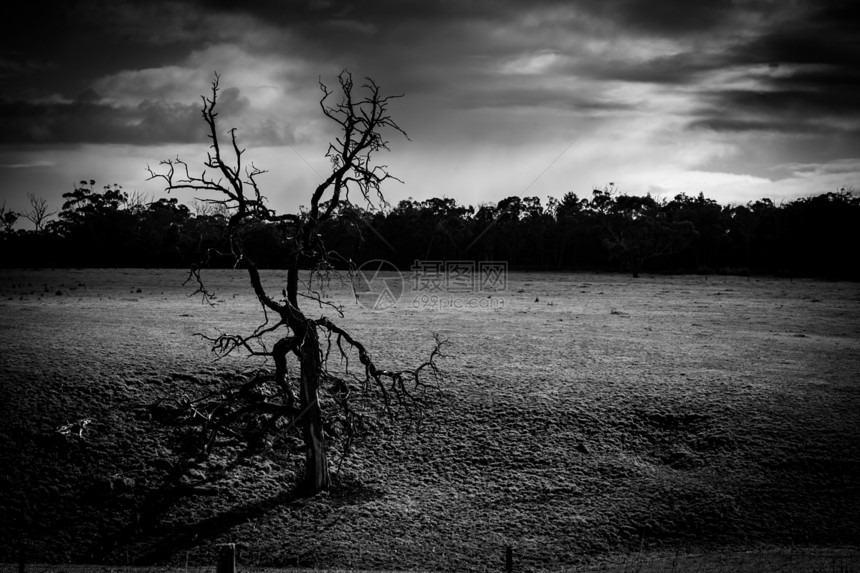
[38, 211]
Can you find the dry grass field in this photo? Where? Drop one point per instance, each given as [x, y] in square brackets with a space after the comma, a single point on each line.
[585, 420]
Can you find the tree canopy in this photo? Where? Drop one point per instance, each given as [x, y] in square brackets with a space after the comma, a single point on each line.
[609, 230]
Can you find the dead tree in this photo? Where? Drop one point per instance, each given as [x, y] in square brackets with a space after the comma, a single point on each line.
[287, 334]
[38, 211]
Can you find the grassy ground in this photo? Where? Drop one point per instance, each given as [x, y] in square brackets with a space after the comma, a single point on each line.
[841, 560]
[584, 418]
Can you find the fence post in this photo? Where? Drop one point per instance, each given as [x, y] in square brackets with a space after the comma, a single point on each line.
[226, 558]
[509, 559]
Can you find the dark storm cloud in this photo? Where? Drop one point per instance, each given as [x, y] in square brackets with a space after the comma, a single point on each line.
[806, 75]
[820, 33]
[93, 122]
[805, 102]
[452, 50]
[665, 17]
[797, 126]
[15, 64]
[428, 46]
[89, 119]
[538, 96]
[651, 16]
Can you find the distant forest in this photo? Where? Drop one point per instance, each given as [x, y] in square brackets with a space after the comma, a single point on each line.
[606, 231]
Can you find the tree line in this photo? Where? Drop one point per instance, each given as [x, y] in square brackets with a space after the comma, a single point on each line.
[607, 230]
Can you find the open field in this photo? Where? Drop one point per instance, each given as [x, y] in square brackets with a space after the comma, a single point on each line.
[583, 418]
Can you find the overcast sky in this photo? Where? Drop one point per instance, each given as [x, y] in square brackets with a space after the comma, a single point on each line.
[737, 99]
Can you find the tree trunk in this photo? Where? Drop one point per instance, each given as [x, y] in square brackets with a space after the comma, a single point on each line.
[279, 354]
[636, 266]
[317, 477]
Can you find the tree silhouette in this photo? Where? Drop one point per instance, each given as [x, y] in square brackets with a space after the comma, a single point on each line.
[637, 229]
[270, 401]
[8, 218]
[810, 236]
[38, 211]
